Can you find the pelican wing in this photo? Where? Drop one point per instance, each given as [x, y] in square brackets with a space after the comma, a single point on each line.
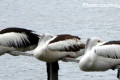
[66, 45]
[13, 39]
[108, 51]
[18, 37]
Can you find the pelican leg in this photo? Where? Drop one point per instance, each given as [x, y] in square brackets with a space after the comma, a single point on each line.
[118, 74]
[66, 59]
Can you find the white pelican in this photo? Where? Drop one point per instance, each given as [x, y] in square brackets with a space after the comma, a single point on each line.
[100, 56]
[60, 47]
[17, 39]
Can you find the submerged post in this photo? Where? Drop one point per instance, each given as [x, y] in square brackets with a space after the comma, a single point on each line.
[52, 70]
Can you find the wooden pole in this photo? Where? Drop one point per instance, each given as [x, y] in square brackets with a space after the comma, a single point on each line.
[52, 70]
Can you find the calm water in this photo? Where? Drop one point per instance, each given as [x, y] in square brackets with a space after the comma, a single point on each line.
[57, 17]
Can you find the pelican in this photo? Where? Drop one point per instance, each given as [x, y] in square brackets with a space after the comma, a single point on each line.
[100, 55]
[60, 47]
[17, 39]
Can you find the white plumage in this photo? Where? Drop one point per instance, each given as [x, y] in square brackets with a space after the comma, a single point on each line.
[17, 39]
[100, 56]
[12, 37]
[52, 48]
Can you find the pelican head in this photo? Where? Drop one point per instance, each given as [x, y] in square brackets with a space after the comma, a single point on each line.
[42, 46]
[91, 42]
[45, 37]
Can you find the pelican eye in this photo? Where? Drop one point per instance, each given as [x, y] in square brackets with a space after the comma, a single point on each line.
[99, 41]
[51, 36]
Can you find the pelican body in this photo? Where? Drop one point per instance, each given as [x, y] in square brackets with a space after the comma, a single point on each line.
[100, 55]
[17, 39]
[53, 48]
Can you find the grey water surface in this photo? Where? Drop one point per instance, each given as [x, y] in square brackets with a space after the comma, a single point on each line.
[57, 17]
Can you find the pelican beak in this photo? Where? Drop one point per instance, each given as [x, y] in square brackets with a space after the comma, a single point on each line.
[101, 41]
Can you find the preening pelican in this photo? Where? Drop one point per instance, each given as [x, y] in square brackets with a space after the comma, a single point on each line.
[53, 48]
[17, 39]
[100, 56]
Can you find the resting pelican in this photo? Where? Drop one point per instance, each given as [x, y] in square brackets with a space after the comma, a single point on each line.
[17, 39]
[53, 48]
[100, 56]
